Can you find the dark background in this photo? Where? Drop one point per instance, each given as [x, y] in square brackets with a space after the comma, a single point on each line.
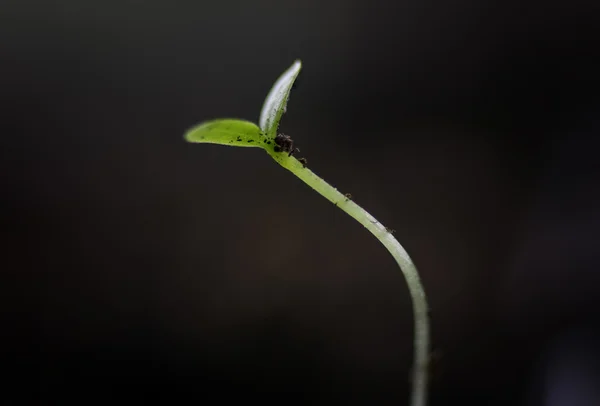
[139, 268]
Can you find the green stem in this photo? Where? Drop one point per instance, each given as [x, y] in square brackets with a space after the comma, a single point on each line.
[417, 293]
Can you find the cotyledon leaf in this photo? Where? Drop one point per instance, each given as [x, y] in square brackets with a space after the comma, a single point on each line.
[276, 101]
[227, 131]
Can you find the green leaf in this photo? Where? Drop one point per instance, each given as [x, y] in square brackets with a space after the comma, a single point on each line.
[227, 131]
[276, 101]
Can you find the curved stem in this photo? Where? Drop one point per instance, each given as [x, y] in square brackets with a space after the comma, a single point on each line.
[417, 293]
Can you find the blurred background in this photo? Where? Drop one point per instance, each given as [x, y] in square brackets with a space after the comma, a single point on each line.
[139, 268]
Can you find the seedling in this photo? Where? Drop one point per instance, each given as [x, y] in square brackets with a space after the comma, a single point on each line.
[280, 147]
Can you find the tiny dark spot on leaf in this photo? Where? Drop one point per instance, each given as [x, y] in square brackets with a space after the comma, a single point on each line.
[250, 140]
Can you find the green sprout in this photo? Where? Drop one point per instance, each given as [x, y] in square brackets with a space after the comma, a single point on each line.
[242, 133]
